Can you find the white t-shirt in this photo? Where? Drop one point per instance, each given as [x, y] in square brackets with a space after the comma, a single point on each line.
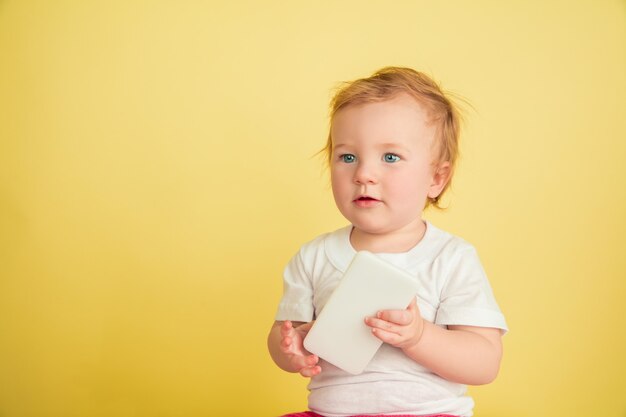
[451, 289]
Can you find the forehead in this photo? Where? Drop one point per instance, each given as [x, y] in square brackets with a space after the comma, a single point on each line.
[400, 117]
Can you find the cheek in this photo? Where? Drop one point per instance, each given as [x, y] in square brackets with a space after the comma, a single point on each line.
[337, 183]
[340, 176]
[412, 184]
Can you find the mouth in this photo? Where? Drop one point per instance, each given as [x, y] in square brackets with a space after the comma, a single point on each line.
[365, 198]
[365, 201]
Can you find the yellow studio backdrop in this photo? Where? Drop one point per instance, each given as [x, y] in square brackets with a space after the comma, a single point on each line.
[157, 173]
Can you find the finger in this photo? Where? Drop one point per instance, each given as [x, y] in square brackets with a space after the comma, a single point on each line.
[310, 371]
[311, 368]
[312, 360]
[386, 336]
[300, 362]
[387, 326]
[288, 333]
[401, 317]
[286, 327]
[285, 343]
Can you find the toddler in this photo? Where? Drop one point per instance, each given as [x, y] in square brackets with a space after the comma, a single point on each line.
[392, 147]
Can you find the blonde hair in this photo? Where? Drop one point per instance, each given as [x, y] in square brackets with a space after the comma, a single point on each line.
[388, 82]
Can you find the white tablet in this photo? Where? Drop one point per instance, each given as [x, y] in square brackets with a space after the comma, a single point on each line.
[340, 335]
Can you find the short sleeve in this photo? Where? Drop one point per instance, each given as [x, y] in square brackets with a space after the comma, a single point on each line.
[466, 297]
[297, 301]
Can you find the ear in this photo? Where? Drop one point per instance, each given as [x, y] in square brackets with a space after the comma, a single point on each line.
[441, 176]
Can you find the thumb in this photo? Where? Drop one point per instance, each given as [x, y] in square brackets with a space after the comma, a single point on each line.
[413, 308]
[306, 326]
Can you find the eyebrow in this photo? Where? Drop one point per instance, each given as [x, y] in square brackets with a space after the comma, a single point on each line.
[339, 146]
[392, 145]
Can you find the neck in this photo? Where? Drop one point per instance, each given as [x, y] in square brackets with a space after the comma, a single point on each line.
[388, 242]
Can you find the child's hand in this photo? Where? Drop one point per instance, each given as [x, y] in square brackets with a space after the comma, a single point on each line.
[400, 328]
[291, 344]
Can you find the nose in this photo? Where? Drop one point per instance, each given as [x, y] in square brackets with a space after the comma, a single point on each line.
[364, 174]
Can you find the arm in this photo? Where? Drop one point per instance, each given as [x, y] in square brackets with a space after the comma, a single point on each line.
[285, 345]
[463, 354]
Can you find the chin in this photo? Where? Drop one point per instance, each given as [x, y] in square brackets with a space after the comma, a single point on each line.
[378, 228]
[372, 229]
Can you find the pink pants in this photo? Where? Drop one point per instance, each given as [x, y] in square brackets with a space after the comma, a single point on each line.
[312, 414]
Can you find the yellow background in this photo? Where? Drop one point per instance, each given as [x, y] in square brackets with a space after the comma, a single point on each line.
[157, 172]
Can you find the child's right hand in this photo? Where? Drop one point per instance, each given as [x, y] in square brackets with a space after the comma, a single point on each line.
[291, 345]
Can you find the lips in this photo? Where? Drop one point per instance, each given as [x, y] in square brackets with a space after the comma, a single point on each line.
[366, 201]
[365, 198]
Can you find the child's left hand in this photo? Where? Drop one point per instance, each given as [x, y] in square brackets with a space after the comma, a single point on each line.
[400, 328]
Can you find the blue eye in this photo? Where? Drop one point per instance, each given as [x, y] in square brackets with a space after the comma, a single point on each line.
[348, 158]
[391, 157]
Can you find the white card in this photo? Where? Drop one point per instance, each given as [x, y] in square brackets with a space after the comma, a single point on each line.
[339, 334]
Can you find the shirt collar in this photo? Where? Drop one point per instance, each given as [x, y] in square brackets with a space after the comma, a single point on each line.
[339, 250]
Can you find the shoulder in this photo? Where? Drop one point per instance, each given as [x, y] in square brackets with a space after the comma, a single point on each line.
[318, 248]
[320, 241]
[447, 246]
